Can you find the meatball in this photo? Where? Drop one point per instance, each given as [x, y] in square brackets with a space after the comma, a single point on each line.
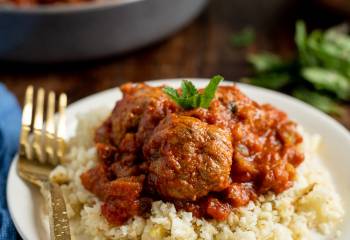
[206, 161]
[188, 158]
[266, 143]
[139, 112]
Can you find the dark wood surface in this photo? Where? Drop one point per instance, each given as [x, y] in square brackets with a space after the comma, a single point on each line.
[200, 49]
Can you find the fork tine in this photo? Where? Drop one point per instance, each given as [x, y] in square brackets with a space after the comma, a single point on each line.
[38, 126]
[26, 123]
[50, 128]
[61, 126]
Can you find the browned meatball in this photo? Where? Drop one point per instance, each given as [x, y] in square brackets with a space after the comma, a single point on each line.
[188, 158]
[139, 112]
[265, 141]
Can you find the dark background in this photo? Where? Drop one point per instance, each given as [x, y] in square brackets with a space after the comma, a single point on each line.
[201, 49]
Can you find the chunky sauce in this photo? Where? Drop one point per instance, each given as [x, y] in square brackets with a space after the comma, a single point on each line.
[206, 161]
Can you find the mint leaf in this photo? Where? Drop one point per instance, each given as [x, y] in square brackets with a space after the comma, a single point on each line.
[190, 97]
[188, 89]
[172, 93]
[209, 91]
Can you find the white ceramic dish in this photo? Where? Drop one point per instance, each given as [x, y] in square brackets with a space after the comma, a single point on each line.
[26, 204]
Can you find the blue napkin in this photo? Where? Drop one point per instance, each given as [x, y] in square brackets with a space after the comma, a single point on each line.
[10, 124]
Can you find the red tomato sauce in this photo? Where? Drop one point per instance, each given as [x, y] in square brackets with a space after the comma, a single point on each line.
[206, 161]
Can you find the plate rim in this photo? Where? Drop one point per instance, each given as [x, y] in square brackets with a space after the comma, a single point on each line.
[72, 109]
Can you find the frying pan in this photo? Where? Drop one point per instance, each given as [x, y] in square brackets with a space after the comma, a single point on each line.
[71, 32]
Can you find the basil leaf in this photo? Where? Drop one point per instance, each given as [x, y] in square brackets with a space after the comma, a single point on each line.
[243, 38]
[322, 63]
[300, 35]
[324, 79]
[274, 81]
[266, 62]
[305, 42]
[338, 37]
[322, 102]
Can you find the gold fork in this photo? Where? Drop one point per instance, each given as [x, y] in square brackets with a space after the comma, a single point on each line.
[41, 149]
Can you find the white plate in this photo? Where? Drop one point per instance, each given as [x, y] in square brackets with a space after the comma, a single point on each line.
[26, 204]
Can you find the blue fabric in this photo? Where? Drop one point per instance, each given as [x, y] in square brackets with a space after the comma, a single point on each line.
[10, 123]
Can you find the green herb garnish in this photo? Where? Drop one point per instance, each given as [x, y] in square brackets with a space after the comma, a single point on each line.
[322, 102]
[191, 97]
[266, 62]
[330, 80]
[274, 81]
[243, 38]
[318, 75]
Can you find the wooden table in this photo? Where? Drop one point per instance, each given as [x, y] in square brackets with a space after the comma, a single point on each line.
[201, 49]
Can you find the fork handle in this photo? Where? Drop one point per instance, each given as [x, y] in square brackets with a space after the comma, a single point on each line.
[59, 222]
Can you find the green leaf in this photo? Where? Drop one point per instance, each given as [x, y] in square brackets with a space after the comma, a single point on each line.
[329, 49]
[324, 79]
[243, 38]
[266, 62]
[172, 92]
[339, 37]
[323, 64]
[328, 54]
[190, 97]
[195, 101]
[186, 103]
[322, 102]
[300, 35]
[309, 56]
[274, 81]
[209, 91]
[304, 42]
[339, 29]
[188, 89]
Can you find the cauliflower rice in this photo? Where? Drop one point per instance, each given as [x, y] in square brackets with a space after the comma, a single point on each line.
[311, 209]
